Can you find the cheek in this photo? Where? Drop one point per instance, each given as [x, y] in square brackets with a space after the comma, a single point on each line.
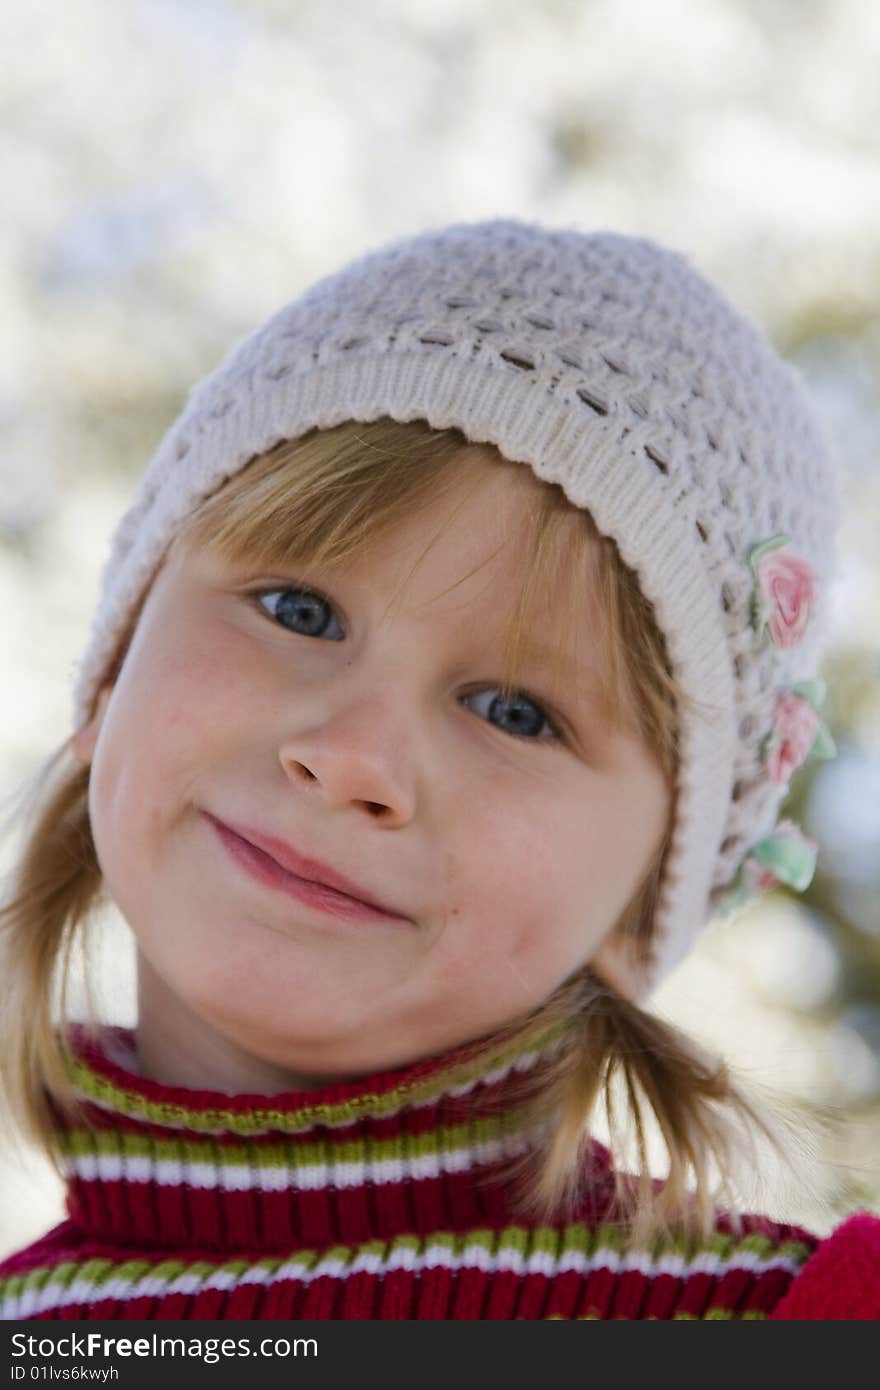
[192, 683]
[176, 706]
[188, 693]
[515, 887]
[539, 878]
[530, 849]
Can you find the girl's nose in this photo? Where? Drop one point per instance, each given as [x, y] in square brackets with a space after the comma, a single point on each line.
[355, 755]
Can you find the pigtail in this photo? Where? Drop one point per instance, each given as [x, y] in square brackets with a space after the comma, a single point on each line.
[56, 882]
[648, 1076]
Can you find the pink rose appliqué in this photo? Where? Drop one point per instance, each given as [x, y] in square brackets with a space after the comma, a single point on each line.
[795, 726]
[798, 733]
[784, 590]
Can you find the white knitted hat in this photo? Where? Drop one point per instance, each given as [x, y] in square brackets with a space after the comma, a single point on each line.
[612, 367]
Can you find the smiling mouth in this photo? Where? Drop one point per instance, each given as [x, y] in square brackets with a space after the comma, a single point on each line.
[266, 870]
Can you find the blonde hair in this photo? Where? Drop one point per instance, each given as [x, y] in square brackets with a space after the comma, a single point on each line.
[323, 499]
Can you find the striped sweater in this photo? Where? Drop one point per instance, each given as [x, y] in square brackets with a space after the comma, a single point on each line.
[385, 1197]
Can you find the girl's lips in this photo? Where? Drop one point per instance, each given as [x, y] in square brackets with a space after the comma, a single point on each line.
[264, 868]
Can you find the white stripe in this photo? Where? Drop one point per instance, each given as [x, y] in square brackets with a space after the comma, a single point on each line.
[242, 1177]
[276, 1179]
[433, 1256]
[403, 1257]
[437, 1254]
[369, 1261]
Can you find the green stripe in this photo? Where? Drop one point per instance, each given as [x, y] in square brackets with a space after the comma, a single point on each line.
[260, 1119]
[524, 1240]
[443, 1139]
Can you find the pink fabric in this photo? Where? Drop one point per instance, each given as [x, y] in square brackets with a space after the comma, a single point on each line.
[787, 584]
[842, 1277]
[795, 726]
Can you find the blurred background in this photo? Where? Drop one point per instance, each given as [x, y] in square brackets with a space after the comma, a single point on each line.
[175, 170]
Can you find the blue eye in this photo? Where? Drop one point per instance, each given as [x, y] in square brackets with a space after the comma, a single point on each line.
[525, 718]
[304, 607]
[309, 612]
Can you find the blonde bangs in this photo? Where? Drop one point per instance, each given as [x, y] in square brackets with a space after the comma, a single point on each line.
[325, 499]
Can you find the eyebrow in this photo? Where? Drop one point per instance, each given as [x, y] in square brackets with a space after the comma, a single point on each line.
[549, 652]
[585, 679]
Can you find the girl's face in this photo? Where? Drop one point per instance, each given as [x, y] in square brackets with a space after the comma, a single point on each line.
[507, 836]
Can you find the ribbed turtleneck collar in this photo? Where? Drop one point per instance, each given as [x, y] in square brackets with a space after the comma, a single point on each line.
[419, 1147]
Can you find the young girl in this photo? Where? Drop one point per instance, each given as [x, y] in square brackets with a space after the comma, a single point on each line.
[448, 673]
